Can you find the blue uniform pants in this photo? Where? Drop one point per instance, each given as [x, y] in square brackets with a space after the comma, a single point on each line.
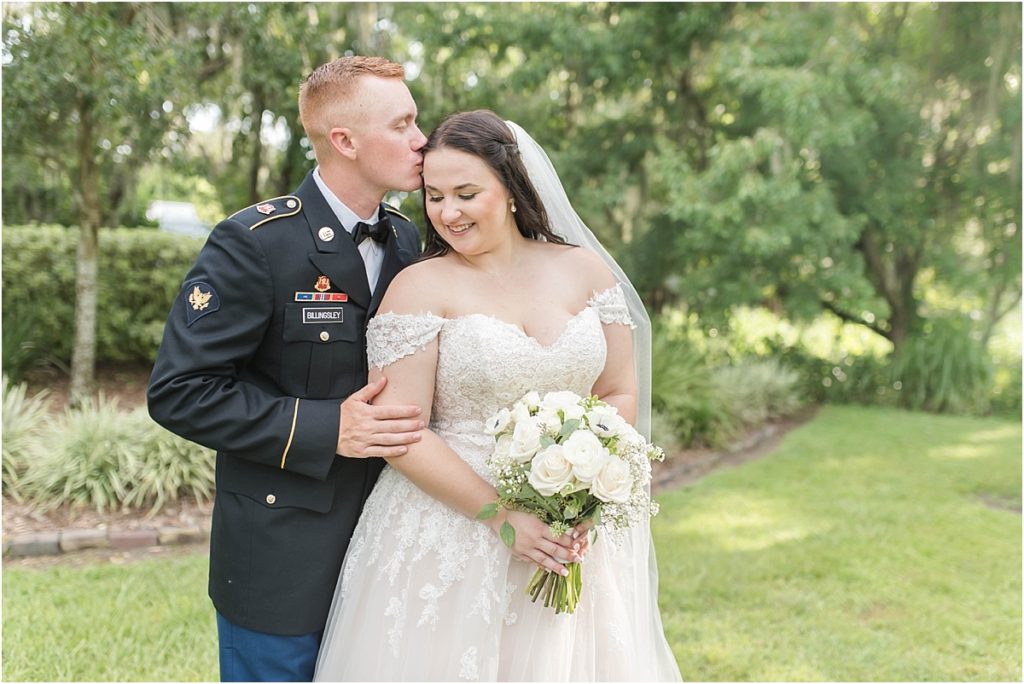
[249, 656]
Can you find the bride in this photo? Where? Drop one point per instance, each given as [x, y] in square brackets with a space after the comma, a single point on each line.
[502, 303]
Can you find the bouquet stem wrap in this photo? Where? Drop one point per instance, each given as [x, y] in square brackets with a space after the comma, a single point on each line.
[558, 592]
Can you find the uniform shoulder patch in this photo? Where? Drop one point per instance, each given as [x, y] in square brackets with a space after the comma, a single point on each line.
[266, 211]
[200, 299]
[391, 210]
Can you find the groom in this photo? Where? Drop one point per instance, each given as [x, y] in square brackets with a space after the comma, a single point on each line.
[264, 359]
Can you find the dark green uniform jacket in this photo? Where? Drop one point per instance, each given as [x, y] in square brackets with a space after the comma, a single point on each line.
[266, 339]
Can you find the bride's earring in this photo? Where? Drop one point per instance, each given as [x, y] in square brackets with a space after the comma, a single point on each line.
[513, 206]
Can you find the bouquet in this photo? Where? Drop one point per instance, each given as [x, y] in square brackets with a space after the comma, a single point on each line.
[566, 460]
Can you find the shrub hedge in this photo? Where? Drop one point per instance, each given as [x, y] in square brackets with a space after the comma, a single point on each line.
[140, 273]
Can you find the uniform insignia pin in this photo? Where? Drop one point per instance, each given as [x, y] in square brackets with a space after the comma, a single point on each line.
[266, 208]
[199, 299]
[323, 284]
[325, 234]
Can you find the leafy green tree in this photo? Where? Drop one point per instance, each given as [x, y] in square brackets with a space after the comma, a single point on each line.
[89, 92]
[255, 56]
[857, 168]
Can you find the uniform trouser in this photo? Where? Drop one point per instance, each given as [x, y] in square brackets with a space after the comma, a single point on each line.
[249, 656]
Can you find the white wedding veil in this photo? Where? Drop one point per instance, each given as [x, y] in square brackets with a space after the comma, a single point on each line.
[566, 223]
[636, 561]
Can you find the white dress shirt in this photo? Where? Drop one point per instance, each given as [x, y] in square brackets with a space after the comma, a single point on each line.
[371, 250]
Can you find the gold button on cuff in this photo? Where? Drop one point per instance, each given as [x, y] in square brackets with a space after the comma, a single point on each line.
[325, 336]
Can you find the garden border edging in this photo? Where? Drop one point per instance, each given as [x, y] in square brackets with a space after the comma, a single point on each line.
[69, 540]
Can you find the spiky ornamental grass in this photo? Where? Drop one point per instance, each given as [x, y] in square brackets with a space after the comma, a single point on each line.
[103, 458]
[758, 390]
[24, 419]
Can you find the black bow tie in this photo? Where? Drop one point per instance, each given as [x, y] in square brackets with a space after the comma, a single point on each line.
[378, 231]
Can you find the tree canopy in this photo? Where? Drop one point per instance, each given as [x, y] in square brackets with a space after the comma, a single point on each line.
[861, 159]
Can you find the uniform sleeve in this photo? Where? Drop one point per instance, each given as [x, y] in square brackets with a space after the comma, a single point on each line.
[611, 306]
[391, 336]
[215, 327]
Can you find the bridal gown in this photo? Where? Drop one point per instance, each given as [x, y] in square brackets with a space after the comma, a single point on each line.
[427, 594]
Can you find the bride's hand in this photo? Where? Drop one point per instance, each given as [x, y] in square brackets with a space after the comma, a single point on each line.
[580, 537]
[535, 543]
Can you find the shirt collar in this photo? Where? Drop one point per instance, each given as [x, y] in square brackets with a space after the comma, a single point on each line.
[346, 216]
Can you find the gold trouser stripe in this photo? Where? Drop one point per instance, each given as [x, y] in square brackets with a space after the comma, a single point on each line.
[295, 418]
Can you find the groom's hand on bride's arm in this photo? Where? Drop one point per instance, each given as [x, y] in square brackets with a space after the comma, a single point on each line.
[367, 431]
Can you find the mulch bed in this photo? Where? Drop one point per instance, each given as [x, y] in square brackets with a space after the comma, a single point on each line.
[124, 382]
[688, 466]
[24, 518]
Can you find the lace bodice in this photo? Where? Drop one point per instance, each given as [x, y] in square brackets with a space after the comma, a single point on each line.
[484, 363]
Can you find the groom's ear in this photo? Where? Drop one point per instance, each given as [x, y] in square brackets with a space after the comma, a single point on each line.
[341, 141]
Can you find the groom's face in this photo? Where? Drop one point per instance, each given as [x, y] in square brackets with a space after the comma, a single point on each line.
[385, 136]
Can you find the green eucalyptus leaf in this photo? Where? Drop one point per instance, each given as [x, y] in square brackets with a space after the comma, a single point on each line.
[488, 511]
[508, 534]
[568, 428]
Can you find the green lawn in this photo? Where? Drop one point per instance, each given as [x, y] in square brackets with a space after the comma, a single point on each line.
[860, 550]
[142, 621]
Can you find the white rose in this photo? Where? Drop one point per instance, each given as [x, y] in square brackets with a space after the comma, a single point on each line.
[605, 421]
[549, 421]
[631, 440]
[520, 412]
[532, 399]
[566, 402]
[614, 483]
[498, 422]
[550, 472]
[525, 440]
[586, 453]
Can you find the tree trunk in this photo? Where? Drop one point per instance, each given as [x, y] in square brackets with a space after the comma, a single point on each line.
[893, 280]
[256, 161]
[366, 21]
[83, 352]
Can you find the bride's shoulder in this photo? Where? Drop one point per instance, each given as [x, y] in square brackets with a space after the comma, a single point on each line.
[588, 269]
[418, 288]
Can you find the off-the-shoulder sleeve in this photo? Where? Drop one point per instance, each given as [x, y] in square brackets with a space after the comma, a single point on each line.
[391, 336]
[611, 306]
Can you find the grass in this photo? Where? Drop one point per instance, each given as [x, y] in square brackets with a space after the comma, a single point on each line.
[862, 549]
[143, 621]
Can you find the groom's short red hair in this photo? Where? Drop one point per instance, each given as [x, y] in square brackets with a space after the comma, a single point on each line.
[324, 92]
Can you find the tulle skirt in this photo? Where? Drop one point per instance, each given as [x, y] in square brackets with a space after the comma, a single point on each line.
[427, 594]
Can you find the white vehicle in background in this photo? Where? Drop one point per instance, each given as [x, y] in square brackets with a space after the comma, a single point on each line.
[177, 217]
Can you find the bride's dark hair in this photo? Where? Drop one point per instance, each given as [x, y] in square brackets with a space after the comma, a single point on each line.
[484, 134]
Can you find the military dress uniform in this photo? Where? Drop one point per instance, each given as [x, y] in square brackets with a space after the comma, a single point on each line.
[264, 342]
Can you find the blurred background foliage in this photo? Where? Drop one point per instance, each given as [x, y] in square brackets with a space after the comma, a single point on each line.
[826, 196]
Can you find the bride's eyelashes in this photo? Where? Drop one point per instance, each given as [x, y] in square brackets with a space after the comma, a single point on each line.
[438, 198]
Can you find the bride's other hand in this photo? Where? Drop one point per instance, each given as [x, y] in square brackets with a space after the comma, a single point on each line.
[579, 538]
[535, 543]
